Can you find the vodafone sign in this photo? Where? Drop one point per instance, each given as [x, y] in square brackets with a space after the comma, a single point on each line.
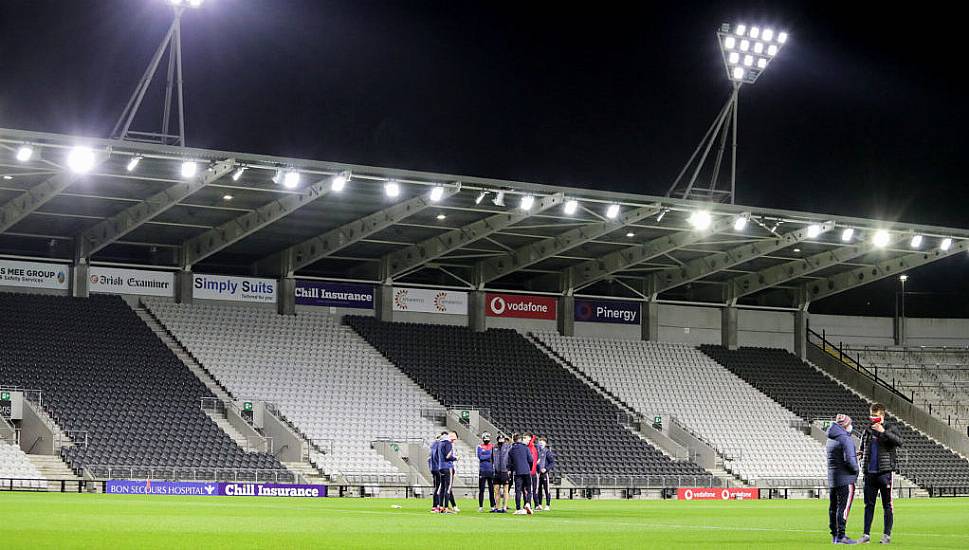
[520, 306]
[731, 493]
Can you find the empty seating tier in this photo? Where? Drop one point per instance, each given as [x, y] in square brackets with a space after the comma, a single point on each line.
[805, 390]
[103, 374]
[522, 389]
[17, 469]
[755, 434]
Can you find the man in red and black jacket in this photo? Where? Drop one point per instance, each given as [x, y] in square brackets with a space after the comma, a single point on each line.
[879, 444]
[531, 440]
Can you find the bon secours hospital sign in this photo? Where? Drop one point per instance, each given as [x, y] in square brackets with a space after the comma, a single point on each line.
[202, 489]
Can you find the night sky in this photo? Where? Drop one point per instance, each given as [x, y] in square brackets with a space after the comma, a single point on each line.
[861, 114]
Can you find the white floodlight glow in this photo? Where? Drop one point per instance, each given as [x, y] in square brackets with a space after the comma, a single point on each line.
[612, 211]
[663, 213]
[437, 193]
[175, 2]
[8, 178]
[189, 169]
[701, 220]
[738, 73]
[527, 202]
[227, 197]
[740, 30]
[238, 173]
[195, 3]
[772, 50]
[847, 234]
[441, 217]
[392, 189]
[734, 58]
[81, 159]
[291, 179]
[740, 223]
[571, 206]
[499, 199]
[744, 45]
[748, 61]
[767, 35]
[916, 241]
[762, 63]
[903, 277]
[24, 153]
[729, 42]
[481, 196]
[946, 244]
[782, 37]
[813, 231]
[759, 47]
[339, 181]
[630, 235]
[133, 163]
[881, 238]
[754, 32]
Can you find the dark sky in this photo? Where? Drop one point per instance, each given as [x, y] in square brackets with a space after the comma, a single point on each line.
[860, 115]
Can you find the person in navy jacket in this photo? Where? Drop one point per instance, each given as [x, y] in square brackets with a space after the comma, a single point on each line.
[502, 474]
[435, 468]
[486, 471]
[842, 474]
[445, 460]
[546, 461]
[520, 463]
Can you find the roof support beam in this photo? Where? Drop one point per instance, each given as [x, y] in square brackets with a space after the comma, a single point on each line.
[117, 226]
[495, 268]
[595, 270]
[738, 287]
[310, 251]
[413, 256]
[825, 288]
[18, 208]
[202, 246]
[705, 266]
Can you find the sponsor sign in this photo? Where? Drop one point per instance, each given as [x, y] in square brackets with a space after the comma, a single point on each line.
[316, 293]
[34, 274]
[607, 311]
[111, 280]
[202, 489]
[236, 289]
[426, 300]
[731, 493]
[521, 306]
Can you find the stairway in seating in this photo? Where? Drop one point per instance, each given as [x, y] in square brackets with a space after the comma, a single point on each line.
[53, 467]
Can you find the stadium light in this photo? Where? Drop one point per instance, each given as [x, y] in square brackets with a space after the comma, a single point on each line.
[759, 43]
[881, 238]
[916, 241]
[24, 153]
[612, 211]
[392, 189]
[847, 234]
[238, 173]
[571, 206]
[481, 196]
[903, 278]
[437, 193]
[189, 169]
[813, 231]
[630, 235]
[946, 244]
[133, 163]
[701, 220]
[81, 159]
[291, 179]
[441, 217]
[740, 223]
[499, 199]
[227, 197]
[339, 181]
[527, 202]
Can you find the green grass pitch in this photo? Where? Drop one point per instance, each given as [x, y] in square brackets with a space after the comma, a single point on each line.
[39, 520]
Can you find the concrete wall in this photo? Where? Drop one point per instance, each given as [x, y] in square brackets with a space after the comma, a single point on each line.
[689, 324]
[765, 329]
[878, 331]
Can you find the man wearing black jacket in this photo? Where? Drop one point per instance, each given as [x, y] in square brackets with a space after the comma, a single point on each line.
[879, 444]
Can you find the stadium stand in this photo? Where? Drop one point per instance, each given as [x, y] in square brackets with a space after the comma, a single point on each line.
[521, 388]
[17, 468]
[937, 379]
[325, 379]
[803, 389]
[105, 375]
[757, 436]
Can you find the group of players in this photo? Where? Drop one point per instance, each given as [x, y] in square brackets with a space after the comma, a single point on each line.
[527, 462]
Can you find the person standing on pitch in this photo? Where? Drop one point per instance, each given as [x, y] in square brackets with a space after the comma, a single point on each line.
[502, 475]
[445, 460]
[435, 468]
[546, 461]
[486, 471]
[520, 462]
[842, 474]
[530, 440]
[878, 448]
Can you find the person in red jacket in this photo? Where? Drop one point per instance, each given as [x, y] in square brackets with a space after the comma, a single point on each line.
[533, 450]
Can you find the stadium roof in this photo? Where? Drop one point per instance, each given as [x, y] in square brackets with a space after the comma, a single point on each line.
[152, 216]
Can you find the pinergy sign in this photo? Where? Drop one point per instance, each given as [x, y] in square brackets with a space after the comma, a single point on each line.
[521, 306]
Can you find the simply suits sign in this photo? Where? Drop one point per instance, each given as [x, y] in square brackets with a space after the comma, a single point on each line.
[131, 281]
[236, 289]
[34, 274]
[607, 311]
[316, 293]
[425, 300]
[521, 306]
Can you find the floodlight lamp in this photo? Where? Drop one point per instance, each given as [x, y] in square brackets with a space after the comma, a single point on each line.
[758, 47]
[847, 234]
[291, 179]
[663, 213]
[24, 153]
[571, 206]
[195, 3]
[630, 235]
[744, 45]
[740, 30]
[754, 32]
[762, 63]
[903, 278]
[738, 73]
[133, 163]
[437, 193]
[441, 217]
[701, 220]
[782, 37]
[81, 159]
[189, 169]
[499, 199]
[946, 244]
[392, 189]
[227, 197]
[175, 2]
[916, 241]
[729, 42]
[238, 173]
[481, 196]
[339, 181]
[767, 35]
[734, 58]
[740, 223]
[881, 238]
[527, 202]
[772, 50]
[813, 231]
[748, 61]
[612, 211]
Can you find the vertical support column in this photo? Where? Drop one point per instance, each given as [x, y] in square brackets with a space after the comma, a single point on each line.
[80, 284]
[801, 318]
[650, 321]
[385, 302]
[477, 321]
[183, 286]
[728, 327]
[566, 315]
[286, 300]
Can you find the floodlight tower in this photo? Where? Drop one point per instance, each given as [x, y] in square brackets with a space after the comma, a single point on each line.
[747, 52]
[172, 43]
